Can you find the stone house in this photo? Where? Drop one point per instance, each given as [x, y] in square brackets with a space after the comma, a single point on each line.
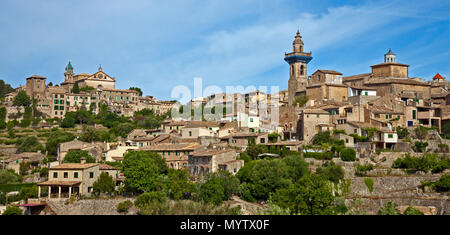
[96, 150]
[242, 140]
[211, 160]
[175, 155]
[311, 122]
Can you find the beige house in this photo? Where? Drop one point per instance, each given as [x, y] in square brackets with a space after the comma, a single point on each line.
[195, 130]
[70, 179]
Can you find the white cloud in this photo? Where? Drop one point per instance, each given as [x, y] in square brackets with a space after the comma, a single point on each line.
[231, 57]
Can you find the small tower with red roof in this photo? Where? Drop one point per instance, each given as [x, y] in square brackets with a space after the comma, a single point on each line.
[438, 78]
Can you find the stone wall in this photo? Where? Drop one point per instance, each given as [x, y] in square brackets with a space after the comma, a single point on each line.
[88, 206]
[403, 190]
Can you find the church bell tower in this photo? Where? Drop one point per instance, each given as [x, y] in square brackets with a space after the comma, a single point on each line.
[298, 61]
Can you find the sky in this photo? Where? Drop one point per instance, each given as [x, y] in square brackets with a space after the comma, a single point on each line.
[158, 45]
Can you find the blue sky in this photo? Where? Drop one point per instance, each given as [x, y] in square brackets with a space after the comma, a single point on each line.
[157, 45]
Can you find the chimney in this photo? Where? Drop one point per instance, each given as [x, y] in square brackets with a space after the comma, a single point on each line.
[83, 160]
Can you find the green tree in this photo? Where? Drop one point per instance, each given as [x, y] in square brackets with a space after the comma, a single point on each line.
[348, 154]
[264, 177]
[24, 167]
[219, 187]
[420, 146]
[104, 184]
[68, 122]
[151, 203]
[123, 207]
[300, 101]
[57, 137]
[75, 88]
[22, 99]
[28, 192]
[9, 177]
[178, 183]
[402, 132]
[13, 210]
[421, 132]
[142, 171]
[89, 135]
[296, 167]
[123, 129]
[443, 184]
[137, 89]
[75, 156]
[311, 195]
[29, 144]
[389, 208]
[5, 88]
[331, 172]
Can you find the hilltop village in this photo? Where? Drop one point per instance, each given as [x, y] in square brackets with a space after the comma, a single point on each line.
[372, 143]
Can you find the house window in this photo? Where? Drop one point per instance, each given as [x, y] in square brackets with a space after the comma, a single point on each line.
[190, 133]
[390, 136]
[414, 114]
[55, 175]
[355, 131]
[66, 174]
[262, 140]
[75, 175]
[91, 175]
[251, 119]
[366, 93]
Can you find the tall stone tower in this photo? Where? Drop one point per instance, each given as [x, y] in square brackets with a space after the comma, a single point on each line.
[68, 74]
[298, 61]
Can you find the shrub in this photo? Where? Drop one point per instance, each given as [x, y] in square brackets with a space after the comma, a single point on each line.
[389, 208]
[348, 155]
[424, 163]
[322, 137]
[319, 155]
[361, 170]
[331, 172]
[402, 132]
[443, 148]
[12, 210]
[421, 132]
[104, 184]
[443, 184]
[75, 156]
[123, 207]
[369, 183]
[219, 187]
[151, 202]
[420, 146]
[412, 211]
[337, 131]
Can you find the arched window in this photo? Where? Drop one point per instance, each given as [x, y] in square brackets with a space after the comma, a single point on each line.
[302, 70]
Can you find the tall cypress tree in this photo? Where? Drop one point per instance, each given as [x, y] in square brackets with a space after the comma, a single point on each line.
[75, 89]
